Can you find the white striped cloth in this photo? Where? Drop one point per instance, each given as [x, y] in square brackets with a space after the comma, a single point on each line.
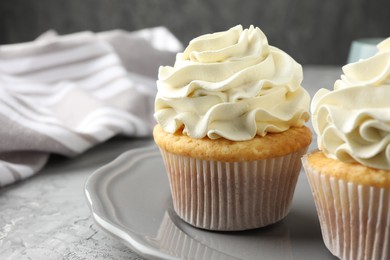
[65, 94]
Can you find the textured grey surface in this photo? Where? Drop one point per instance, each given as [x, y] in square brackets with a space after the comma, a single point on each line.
[46, 216]
[312, 31]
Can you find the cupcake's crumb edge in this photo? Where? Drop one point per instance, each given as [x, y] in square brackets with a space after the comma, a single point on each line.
[353, 172]
[260, 147]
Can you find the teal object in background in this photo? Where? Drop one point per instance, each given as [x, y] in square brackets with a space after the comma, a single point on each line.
[363, 49]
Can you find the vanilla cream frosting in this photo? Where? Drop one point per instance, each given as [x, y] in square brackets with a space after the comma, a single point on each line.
[352, 122]
[231, 84]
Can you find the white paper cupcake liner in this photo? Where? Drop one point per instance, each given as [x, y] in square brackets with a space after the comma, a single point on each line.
[354, 219]
[232, 195]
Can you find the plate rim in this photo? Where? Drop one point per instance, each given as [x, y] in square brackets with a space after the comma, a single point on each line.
[97, 210]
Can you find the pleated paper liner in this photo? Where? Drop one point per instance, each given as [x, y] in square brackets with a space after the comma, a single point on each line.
[228, 196]
[354, 219]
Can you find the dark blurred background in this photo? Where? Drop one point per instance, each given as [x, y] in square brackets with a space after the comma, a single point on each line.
[312, 31]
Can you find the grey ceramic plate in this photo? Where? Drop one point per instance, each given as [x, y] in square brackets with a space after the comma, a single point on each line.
[130, 199]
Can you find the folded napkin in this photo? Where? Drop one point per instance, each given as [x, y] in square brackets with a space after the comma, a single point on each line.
[65, 94]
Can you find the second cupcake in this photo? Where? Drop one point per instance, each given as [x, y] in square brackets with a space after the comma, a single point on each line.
[231, 115]
[350, 175]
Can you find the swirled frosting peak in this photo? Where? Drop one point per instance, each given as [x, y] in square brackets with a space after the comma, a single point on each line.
[231, 84]
[352, 122]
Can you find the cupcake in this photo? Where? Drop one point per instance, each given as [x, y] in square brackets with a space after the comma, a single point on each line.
[230, 126]
[350, 174]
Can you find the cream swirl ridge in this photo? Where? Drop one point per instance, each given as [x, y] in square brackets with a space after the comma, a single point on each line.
[352, 122]
[231, 84]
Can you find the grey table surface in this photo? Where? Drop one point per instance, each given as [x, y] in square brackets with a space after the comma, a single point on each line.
[47, 217]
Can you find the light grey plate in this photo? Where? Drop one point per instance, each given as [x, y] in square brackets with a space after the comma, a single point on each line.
[130, 199]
